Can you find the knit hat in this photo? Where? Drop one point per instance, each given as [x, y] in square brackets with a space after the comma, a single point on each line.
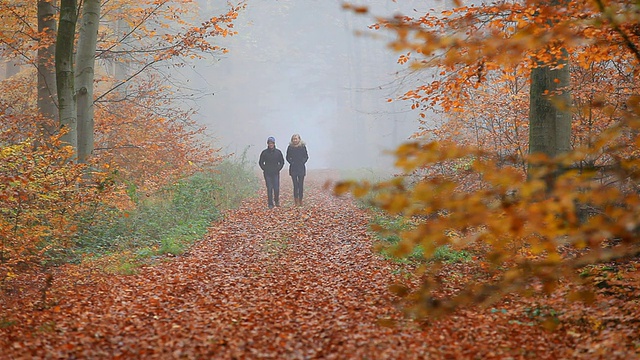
[271, 139]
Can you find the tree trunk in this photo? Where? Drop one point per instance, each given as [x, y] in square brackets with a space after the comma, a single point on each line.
[563, 106]
[46, 76]
[550, 110]
[550, 105]
[64, 72]
[85, 72]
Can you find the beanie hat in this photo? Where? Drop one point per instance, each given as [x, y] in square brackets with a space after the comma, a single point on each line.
[271, 139]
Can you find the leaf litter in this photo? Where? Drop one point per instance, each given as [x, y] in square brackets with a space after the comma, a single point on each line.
[287, 283]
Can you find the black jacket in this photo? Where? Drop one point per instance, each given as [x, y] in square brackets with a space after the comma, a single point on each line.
[271, 161]
[297, 156]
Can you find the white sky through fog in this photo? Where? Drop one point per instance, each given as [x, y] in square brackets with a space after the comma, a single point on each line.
[296, 66]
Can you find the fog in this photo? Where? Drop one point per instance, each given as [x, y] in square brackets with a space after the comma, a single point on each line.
[298, 66]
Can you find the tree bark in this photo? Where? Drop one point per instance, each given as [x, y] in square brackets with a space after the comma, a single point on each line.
[65, 73]
[550, 110]
[550, 103]
[47, 107]
[85, 66]
[563, 105]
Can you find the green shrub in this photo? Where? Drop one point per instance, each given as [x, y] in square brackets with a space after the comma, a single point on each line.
[170, 220]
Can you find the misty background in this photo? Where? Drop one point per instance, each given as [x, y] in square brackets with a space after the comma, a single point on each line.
[299, 66]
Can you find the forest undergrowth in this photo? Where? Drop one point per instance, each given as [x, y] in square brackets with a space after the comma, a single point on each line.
[301, 283]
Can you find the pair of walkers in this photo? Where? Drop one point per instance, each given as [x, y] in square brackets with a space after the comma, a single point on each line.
[271, 162]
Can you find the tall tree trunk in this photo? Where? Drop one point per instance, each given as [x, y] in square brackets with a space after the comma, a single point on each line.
[46, 75]
[550, 110]
[550, 104]
[563, 105]
[85, 71]
[550, 113]
[64, 71]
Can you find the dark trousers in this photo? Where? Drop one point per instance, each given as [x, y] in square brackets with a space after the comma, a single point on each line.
[298, 186]
[273, 189]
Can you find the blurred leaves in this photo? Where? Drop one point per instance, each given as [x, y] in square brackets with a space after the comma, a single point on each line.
[531, 220]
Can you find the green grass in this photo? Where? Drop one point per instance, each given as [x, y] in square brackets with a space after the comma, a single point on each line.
[387, 230]
[124, 266]
[450, 256]
[169, 221]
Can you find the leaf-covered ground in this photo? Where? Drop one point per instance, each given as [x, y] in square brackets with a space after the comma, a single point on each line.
[287, 283]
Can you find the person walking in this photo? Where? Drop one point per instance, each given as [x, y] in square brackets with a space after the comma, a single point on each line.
[297, 157]
[271, 162]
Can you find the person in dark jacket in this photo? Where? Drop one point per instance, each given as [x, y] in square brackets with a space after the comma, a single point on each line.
[271, 162]
[297, 157]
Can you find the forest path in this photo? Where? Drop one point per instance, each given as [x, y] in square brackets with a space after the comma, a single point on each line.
[286, 283]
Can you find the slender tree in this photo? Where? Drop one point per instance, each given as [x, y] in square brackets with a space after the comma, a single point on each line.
[65, 71]
[85, 66]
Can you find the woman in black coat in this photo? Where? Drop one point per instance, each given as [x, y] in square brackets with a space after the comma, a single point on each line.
[297, 158]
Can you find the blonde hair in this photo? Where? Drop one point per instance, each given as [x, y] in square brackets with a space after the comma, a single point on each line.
[299, 143]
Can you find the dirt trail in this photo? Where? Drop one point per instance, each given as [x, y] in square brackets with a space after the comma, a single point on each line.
[287, 283]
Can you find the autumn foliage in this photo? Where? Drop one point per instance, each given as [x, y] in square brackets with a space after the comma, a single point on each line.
[468, 180]
[148, 142]
[145, 140]
[37, 202]
[303, 282]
